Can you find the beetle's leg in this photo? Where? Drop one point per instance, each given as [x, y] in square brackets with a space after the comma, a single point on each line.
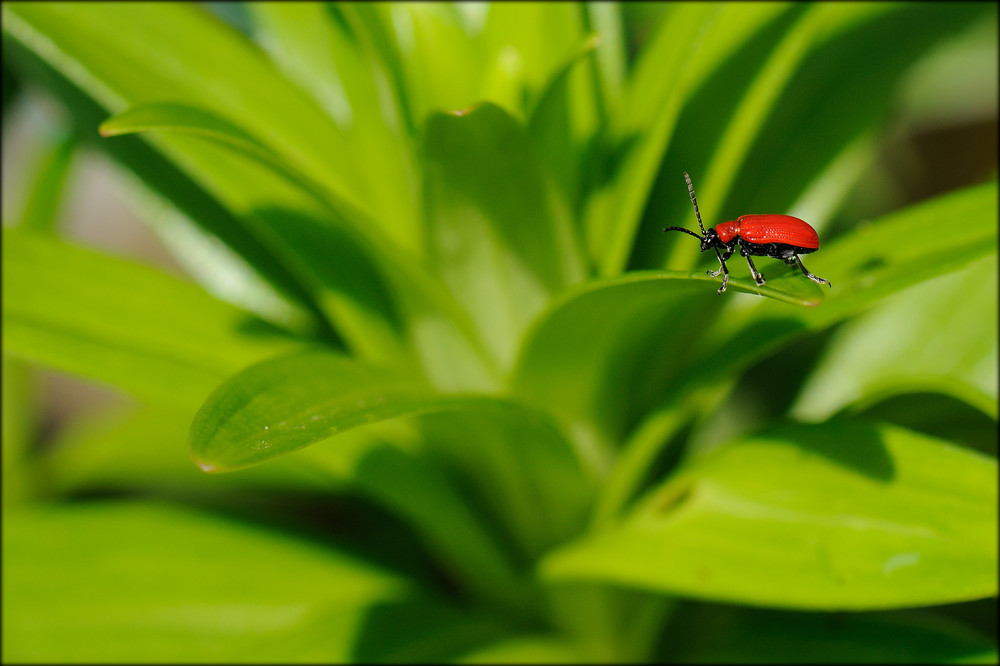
[722, 262]
[753, 269]
[722, 267]
[808, 274]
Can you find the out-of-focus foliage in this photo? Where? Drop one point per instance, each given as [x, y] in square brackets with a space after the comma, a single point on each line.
[471, 404]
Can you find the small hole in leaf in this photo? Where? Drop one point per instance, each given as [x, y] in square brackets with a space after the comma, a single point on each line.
[870, 265]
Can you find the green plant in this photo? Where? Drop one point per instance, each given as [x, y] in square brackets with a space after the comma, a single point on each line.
[441, 222]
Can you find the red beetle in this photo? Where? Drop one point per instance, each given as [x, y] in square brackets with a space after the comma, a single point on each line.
[779, 236]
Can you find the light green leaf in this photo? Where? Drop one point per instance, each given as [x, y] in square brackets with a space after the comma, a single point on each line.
[525, 44]
[288, 403]
[233, 80]
[46, 193]
[833, 516]
[495, 230]
[949, 344]
[324, 56]
[550, 124]
[190, 222]
[441, 65]
[110, 582]
[122, 323]
[364, 283]
[341, 263]
[146, 450]
[529, 650]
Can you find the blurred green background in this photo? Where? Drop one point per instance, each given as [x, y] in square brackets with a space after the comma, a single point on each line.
[399, 268]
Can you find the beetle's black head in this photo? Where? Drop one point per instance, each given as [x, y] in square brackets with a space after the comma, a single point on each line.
[710, 240]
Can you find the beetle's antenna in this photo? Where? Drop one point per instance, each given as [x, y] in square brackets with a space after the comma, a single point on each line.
[694, 202]
[687, 231]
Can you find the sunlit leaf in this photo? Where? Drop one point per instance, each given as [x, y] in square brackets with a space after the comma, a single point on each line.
[496, 233]
[947, 345]
[835, 516]
[112, 582]
[122, 323]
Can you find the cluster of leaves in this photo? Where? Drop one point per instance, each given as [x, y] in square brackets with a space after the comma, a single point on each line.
[440, 222]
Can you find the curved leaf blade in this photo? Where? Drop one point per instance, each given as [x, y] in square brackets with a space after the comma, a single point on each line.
[596, 354]
[234, 81]
[521, 464]
[288, 403]
[833, 516]
[949, 345]
[315, 47]
[122, 323]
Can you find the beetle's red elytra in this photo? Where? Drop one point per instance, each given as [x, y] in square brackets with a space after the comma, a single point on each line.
[778, 236]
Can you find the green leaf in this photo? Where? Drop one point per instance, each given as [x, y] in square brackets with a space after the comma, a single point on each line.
[234, 81]
[110, 582]
[189, 221]
[550, 124]
[19, 420]
[323, 55]
[381, 465]
[949, 344]
[170, 117]
[288, 403]
[285, 404]
[833, 516]
[46, 194]
[351, 287]
[146, 450]
[122, 323]
[529, 650]
[441, 66]
[495, 230]
[596, 355]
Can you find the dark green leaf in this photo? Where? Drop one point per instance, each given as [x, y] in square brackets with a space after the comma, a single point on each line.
[727, 634]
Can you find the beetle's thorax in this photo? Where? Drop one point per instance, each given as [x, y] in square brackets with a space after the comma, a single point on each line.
[727, 231]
